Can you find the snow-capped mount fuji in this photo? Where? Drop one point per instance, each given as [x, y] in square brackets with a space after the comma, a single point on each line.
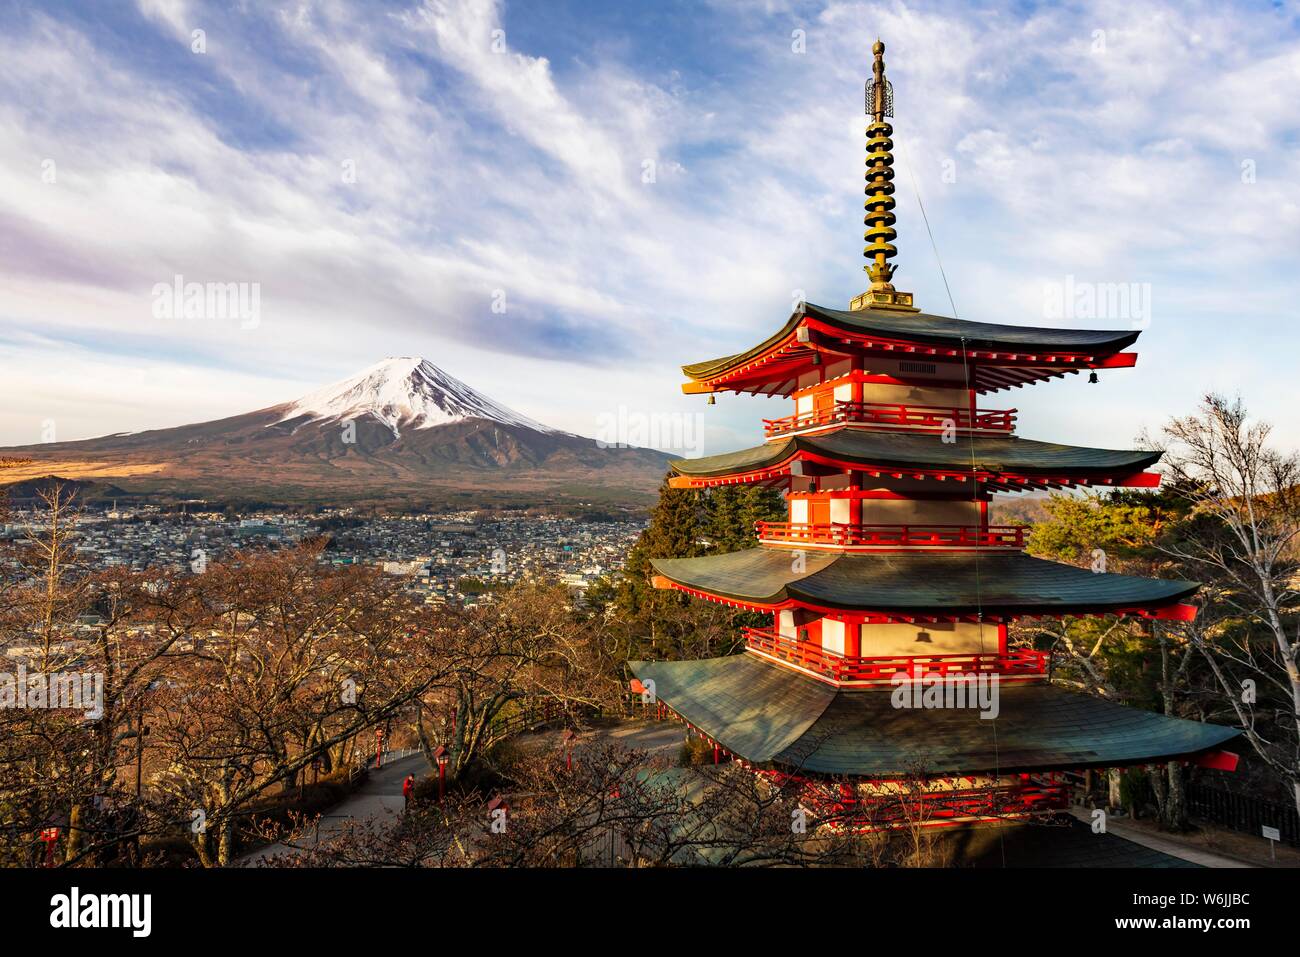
[405, 392]
[401, 430]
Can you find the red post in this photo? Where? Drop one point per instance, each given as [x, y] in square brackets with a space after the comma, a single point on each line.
[50, 836]
[715, 752]
[379, 747]
[440, 755]
[570, 739]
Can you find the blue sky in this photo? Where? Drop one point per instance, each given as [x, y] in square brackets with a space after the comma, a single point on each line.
[499, 148]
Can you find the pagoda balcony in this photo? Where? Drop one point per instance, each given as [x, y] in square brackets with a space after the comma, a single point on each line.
[1019, 663]
[834, 535]
[907, 417]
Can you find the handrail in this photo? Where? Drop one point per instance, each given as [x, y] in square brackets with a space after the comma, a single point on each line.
[1019, 661]
[901, 415]
[893, 536]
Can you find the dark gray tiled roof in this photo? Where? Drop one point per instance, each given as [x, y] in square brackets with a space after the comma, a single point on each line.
[1001, 453]
[769, 715]
[936, 330]
[920, 582]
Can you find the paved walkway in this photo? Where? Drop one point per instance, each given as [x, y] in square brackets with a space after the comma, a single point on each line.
[1119, 827]
[659, 738]
[379, 798]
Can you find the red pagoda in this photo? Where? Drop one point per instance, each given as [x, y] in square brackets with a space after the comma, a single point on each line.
[888, 571]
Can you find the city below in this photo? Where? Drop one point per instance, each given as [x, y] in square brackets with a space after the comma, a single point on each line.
[456, 558]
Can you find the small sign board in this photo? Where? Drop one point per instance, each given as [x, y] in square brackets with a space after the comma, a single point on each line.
[1272, 833]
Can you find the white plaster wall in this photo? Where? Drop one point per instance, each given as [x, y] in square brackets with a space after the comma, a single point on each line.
[914, 395]
[840, 511]
[895, 511]
[833, 636]
[950, 638]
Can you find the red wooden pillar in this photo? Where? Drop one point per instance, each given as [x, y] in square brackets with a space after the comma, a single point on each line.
[852, 639]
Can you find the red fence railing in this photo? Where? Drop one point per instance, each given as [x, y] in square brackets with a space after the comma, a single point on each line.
[900, 416]
[894, 536]
[1021, 661]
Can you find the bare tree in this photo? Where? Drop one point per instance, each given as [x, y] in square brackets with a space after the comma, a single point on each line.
[283, 662]
[615, 807]
[47, 752]
[527, 652]
[1245, 499]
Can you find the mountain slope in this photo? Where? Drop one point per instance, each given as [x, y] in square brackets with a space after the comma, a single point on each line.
[402, 429]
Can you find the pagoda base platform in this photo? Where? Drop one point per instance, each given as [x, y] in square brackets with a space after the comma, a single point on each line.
[775, 718]
[957, 801]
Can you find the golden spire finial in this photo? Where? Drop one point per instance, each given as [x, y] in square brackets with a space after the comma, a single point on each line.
[879, 93]
[879, 204]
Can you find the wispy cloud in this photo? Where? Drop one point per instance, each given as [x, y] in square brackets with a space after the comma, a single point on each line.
[641, 187]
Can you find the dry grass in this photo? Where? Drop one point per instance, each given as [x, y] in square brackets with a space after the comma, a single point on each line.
[74, 469]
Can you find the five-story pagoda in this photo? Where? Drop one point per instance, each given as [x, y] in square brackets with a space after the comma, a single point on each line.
[888, 571]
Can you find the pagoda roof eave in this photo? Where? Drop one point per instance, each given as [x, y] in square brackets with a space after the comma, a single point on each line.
[1006, 355]
[771, 716]
[915, 586]
[1007, 460]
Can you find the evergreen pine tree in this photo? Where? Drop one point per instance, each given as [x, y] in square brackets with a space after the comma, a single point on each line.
[675, 531]
[686, 523]
[734, 509]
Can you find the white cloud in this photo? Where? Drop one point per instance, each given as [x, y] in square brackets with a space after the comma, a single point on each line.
[521, 170]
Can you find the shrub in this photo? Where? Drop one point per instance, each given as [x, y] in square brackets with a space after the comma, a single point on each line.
[695, 751]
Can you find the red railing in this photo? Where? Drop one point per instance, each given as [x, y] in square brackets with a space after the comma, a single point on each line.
[908, 802]
[894, 536]
[899, 416]
[1021, 661]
